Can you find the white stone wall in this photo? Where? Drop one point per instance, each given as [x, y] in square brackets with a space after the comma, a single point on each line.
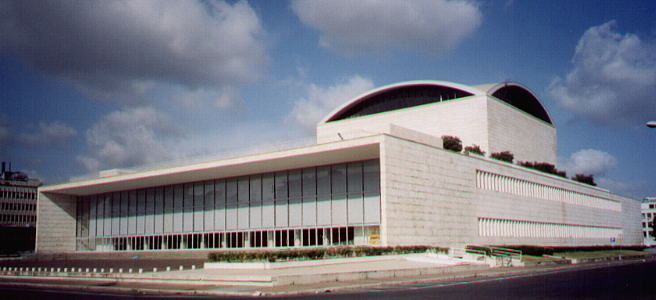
[55, 229]
[463, 117]
[631, 221]
[427, 195]
[527, 137]
[430, 196]
[484, 121]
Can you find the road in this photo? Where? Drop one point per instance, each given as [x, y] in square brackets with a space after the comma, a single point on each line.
[626, 281]
[629, 281]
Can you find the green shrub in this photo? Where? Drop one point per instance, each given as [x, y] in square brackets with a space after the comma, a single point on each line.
[315, 253]
[452, 143]
[474, 149]
[587, 179]
[506, 156]
[543, 167]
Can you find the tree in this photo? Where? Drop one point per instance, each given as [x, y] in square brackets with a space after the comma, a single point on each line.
[506, 156]
[588, 179]
[452, 143]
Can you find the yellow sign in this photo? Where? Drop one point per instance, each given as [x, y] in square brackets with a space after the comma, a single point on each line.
[374, 239]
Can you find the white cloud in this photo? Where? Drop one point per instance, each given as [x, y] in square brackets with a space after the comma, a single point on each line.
[613, 80]
[224, 98]
[227, 98]
[126, 48]
[130, 137]
[48, 133]
[590, 161]
[308, 111]
[44, 133]
[433, 26]
[145, 137]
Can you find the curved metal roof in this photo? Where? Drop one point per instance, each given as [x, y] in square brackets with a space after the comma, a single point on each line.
[418, 92]
[520, 97]
[343, 111]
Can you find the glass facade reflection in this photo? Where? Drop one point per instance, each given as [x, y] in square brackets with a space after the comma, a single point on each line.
[399, 98]
[324, 205]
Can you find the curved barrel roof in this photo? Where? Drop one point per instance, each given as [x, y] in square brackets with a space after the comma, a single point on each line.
[413, 93]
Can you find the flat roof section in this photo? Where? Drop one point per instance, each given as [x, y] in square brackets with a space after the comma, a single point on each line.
[316, 155]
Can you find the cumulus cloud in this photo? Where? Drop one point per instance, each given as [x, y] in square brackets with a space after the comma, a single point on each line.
[48, 133]
[613, 80]
[224, 98]
[144, 137]
[130, 47]
[433, 26]
[590, 161]
[129, 137]
[308, 111]
[43, 133]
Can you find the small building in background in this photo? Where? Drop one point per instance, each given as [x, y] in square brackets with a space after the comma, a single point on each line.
[18, 194]
[648, 210]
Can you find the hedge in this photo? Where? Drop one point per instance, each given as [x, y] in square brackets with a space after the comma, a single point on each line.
[316, 253]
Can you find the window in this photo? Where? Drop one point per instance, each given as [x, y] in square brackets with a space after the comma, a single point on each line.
[398, 98]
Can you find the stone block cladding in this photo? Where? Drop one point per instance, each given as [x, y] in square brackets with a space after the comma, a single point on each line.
[430, 196]
[55, 230]
[463, 117]
[528, 138]
[482, 120]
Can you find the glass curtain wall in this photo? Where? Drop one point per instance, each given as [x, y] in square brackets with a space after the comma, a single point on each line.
[325, 205]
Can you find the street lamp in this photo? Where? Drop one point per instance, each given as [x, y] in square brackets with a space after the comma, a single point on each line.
[651, 124]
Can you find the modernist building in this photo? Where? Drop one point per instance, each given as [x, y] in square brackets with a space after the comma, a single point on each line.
[648, 209]
[376, 176]
[18, 194]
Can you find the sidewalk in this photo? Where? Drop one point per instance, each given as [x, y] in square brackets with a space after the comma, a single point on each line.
[329, 270]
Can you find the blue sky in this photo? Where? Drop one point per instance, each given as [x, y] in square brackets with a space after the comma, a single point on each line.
[93, 85]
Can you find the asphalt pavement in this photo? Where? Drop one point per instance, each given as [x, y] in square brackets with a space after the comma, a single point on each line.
[402, 274]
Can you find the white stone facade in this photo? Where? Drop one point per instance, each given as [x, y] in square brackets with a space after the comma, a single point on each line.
[426, 195]
[479, 119]
[438, 197]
